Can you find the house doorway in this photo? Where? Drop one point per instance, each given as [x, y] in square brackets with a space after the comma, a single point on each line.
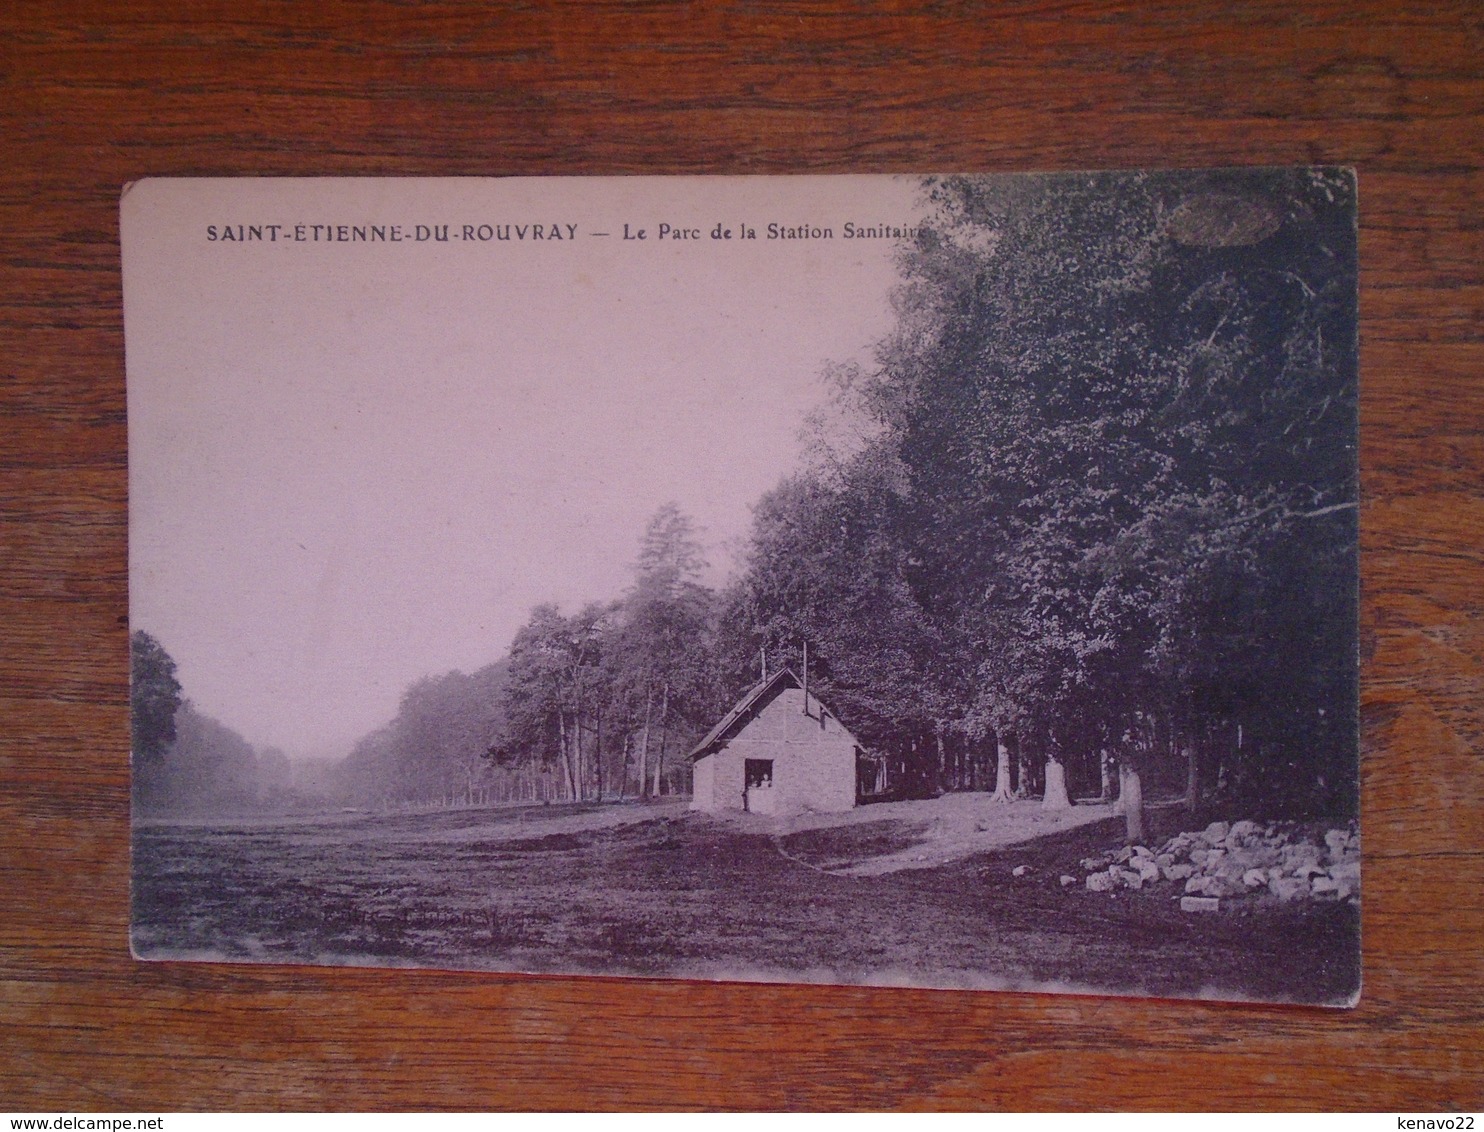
[758, 796]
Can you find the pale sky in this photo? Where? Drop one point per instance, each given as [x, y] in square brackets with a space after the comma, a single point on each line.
[352, 464]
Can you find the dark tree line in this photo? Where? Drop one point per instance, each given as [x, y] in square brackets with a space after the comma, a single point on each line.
[1100, 514]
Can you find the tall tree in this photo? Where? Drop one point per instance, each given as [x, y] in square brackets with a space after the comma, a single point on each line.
[554, 665]
[154, 696]
[825, 569]
[661, 660]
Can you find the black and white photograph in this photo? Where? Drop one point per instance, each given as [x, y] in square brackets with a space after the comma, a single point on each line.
[945, 581]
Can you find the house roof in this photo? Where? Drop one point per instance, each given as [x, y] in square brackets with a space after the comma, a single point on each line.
[757, 695]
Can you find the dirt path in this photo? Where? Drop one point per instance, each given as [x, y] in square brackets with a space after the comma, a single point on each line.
[546, 821]
[970, 823]
[922, 834]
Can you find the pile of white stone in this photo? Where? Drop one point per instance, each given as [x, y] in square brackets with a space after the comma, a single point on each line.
[1280, 861]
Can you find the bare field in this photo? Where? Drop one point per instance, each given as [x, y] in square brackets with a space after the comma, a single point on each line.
[915, 892]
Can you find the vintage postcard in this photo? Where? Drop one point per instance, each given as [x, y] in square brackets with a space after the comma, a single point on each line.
[944, 581]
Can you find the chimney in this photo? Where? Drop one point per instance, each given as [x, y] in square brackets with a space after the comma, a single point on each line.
[806, 677]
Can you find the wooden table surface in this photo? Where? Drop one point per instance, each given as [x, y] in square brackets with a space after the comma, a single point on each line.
[96, 94]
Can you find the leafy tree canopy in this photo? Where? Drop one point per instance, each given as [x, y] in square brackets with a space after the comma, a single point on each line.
[154, 696]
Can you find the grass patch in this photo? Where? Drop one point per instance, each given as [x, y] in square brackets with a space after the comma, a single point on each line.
[837, 846]
[658, 892]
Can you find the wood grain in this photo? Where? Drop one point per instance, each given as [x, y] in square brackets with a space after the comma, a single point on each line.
[96, 94]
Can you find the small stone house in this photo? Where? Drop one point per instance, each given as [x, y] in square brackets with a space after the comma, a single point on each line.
[778, 751]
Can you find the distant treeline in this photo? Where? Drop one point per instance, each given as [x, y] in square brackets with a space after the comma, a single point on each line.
[601, 704]
[187, 764]
[1086, 524]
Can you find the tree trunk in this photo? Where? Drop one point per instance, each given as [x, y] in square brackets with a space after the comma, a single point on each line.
[1105, 768]
[1022, 767]
[1055, 795]
[623, 766]
[644, 741]
[659, 763]
[584, 771]
[566, 741]
[1131, 799]
[580, 761]
[942, 767]
[1001, 770]
[597, 752]
[1192, 778]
